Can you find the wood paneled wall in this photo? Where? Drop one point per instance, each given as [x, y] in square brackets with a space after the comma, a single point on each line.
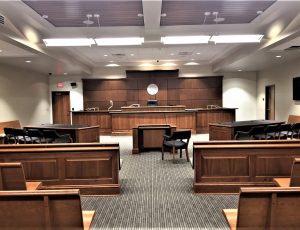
[192, 92]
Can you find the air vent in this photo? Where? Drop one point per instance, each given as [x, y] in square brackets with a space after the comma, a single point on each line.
[118, 55]
[184, 53]
[1, 20]
[293, 48]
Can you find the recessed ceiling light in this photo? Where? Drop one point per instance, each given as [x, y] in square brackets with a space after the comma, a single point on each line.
[191, 63]
[0, 51]
[192, 59]
[198, 53]
[140, 15]
[105, 55]
[278, 56]
[28, 61]
[131, 54]
[111, 61]
[240, 70]
[163, 15]
[65, 73]
[259, 12]
[45, 16]
[112, 65]
[172, 54]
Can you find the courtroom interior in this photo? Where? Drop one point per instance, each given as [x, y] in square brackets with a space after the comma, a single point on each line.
[150, 114]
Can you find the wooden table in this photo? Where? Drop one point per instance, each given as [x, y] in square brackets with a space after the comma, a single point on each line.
[79, 133]
[227, 130]
[149, 137]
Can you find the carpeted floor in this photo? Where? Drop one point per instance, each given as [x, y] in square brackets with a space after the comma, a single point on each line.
[157, 194]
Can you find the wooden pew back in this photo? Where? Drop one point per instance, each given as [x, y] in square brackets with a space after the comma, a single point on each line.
[93, 168]
[41, 210]
[293, 119]
[265, 208]
[9, 124]
[295, 174]
[12, 176]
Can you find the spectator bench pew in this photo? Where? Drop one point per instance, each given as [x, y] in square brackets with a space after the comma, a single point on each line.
[225, 166]
[43, 209]
[266, 208]
[91, 167]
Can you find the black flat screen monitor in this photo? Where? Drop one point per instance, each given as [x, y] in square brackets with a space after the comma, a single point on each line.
[152, 103]
[296, 88]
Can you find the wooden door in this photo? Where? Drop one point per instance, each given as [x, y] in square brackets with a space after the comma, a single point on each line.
[61, 107]
[270, 103]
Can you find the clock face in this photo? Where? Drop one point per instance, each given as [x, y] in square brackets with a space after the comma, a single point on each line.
[152, 89]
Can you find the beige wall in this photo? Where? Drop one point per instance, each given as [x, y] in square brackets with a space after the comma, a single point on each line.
[24, 96]
[239, 91]
[282, 77]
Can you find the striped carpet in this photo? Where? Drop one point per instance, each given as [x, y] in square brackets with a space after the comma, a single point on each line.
[157, 194]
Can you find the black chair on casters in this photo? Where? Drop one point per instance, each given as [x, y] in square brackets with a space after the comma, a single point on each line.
[51, 136]
[36, 136]
[16, 136]
[178, 140]
[255, 133]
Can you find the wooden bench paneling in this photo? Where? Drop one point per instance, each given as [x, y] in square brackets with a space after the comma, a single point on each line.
[266, 208]
[43, 210]
[93, 168]
[12, 178]
[225, 167]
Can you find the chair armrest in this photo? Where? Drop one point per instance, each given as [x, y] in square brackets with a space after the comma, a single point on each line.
[167, 137]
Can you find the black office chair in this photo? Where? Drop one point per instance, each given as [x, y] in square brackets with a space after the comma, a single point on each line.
[284, 131]
[16, 136]
[271, 131]
[255, 133]
[296, 131]
[36, 136]
[51, 136]
[177, 140]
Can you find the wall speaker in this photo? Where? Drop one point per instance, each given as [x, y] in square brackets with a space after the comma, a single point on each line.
[73, 84]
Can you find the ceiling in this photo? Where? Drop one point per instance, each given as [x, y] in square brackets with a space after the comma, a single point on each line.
[23, 25]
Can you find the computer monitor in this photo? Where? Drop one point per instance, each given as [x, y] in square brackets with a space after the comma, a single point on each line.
[152, 103]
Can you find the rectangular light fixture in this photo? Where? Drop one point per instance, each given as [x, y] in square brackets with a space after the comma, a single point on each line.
[184, 39]
[126, 41]
[252, 38]
[69, 42]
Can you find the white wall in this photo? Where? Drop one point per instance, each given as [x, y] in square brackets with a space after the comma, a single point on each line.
[282, 77]
[24, 96]
[239, 91]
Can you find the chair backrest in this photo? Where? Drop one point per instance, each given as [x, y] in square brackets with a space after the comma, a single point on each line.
[293, 119]
[181, 135]
[34, 133]
[50, 134]
[269, 208]
[12, 176]
[285, 127]
[10, 124]
[41, 209]
[271, 128]
[295, 174]
[257, 130]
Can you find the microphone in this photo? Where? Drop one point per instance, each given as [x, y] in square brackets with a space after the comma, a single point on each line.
[111, 103]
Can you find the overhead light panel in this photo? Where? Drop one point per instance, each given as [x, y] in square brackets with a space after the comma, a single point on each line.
[112, 65]
[253, 38]
[184, 39]
[69, 42]
[119, 41]
[191, 63]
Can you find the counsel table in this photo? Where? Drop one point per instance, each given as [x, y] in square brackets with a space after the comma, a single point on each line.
[227, 130]
[79, 133]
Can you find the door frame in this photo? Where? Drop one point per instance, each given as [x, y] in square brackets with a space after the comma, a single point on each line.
[267, 93]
